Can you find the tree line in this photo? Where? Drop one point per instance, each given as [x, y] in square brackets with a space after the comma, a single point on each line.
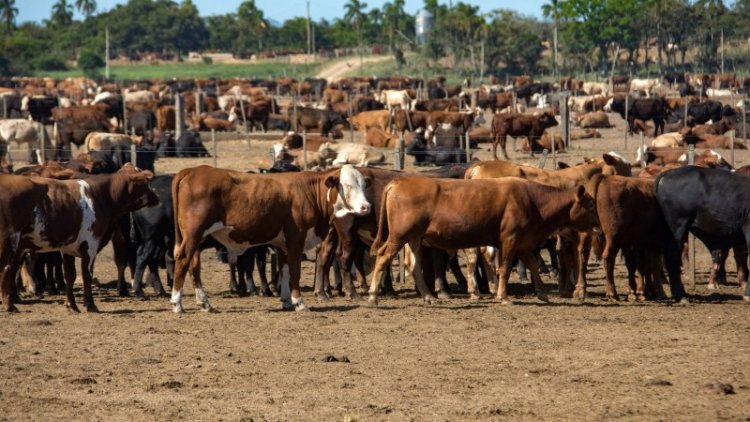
[575, 36]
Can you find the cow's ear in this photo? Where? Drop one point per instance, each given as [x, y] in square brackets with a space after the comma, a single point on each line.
[609, 160]
[368, 181]
[580, 192]
[332, 181]
[142, 176]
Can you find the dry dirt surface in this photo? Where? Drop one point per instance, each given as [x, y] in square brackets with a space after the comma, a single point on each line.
[457, 360]
[338, 69]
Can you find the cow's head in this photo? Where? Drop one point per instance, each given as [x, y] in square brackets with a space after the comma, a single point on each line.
[133, 184]
[583, 214]
[351, 186]
[547, 119]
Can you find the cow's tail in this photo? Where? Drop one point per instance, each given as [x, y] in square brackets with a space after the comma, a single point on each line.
[175, 209]
[382, 223]
[592, 186]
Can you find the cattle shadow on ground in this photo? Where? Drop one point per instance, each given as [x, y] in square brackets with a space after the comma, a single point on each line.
[135, 311]
[716, 297]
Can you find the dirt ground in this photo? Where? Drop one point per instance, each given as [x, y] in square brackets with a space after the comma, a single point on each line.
[457, 360]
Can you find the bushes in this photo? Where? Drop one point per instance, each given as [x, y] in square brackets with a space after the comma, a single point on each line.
[48, 61]
[90, 63]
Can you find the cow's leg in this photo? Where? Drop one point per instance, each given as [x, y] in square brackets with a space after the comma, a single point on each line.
[154, 279]
[609, 256]
[348, 259]
[324, 258]
[490, 264]
[439, 262]
[250, 258]
[7, 250]
[582, 257]
[673, 258]
[472, 256]
[143, 256]
[87, 267]
[718, 274]
[295, 244]
[740, 258]
[505, 256]
[632, 262]
[69, 269]
[417, 271]
[455, 268]
[201, 298]
[383, 258]
[533, 264]
[182, 260]
[260, 261]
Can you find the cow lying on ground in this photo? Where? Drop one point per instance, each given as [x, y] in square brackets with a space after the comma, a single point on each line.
[522, 215]
[545, 142]
[76, 217]
[594, 120]
[338, 154]
[224, 204]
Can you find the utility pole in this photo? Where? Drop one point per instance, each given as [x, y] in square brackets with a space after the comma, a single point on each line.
[722, 50]
[312, 28]
[106, 57]
[309, 37]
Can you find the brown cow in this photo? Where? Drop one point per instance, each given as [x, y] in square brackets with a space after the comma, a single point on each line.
[717, 128]
[165, 118]
[367, 119]
[631, 220]
[241, 210]
[418, 119]
[545, 142]
[517, 125]
[76, 217]
[206, 122]
[459, 120]
[576, 135]
[521, 216]
[379, 139]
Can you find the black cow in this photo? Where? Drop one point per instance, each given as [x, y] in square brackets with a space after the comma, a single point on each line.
[712, 204]
[190, 144]
[642, 109]
[367, 104]
[142, 122]
[446, 152]
[309, 118]
[526, 91]
[40, 108]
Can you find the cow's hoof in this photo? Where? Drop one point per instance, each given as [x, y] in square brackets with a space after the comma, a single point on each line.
[631, 297]
[682, 301]
[355, 297]
[372, 301]
[287, 305]
[542, 298]
[11, 308]
[92, 309]
[475, 297]
[444, 295]
[139, 295]
[746, 298]
[640, 298]
[579, 294]
[206, 307]
[72, 307]
[506, 302]
[301, 307]
[612, 298]
[177, 308]
[429, 299]
[123, 293]
[712, 286]
[323, 295]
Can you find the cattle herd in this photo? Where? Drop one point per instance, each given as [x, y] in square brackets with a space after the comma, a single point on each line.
[495, 214]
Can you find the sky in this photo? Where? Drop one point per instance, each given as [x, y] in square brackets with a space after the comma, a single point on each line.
[280, 10]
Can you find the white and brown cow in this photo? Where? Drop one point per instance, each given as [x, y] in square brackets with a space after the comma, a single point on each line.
[242, 210]
[76, 217]
[23, 131]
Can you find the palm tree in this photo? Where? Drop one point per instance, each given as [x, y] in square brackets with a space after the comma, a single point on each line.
[8, 13]
[87, 7]
[355, 14]
[552, 9]
[62, 13]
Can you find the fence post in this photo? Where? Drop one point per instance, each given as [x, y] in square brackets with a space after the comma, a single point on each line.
[627, 122]
[554, 157]
[42, 153]
[133, 156]
[294, 115]
[565, 117]
[744, 122]
[543, 160]
[349, 105]
[125, 115]
[468, 147]
[198, 102]
[643, 149]
[215, 148]
[684, 123]
[691, 237]
[400, 166]
[304, 149]
[731, 148]
[5, 107]
[179, 116]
